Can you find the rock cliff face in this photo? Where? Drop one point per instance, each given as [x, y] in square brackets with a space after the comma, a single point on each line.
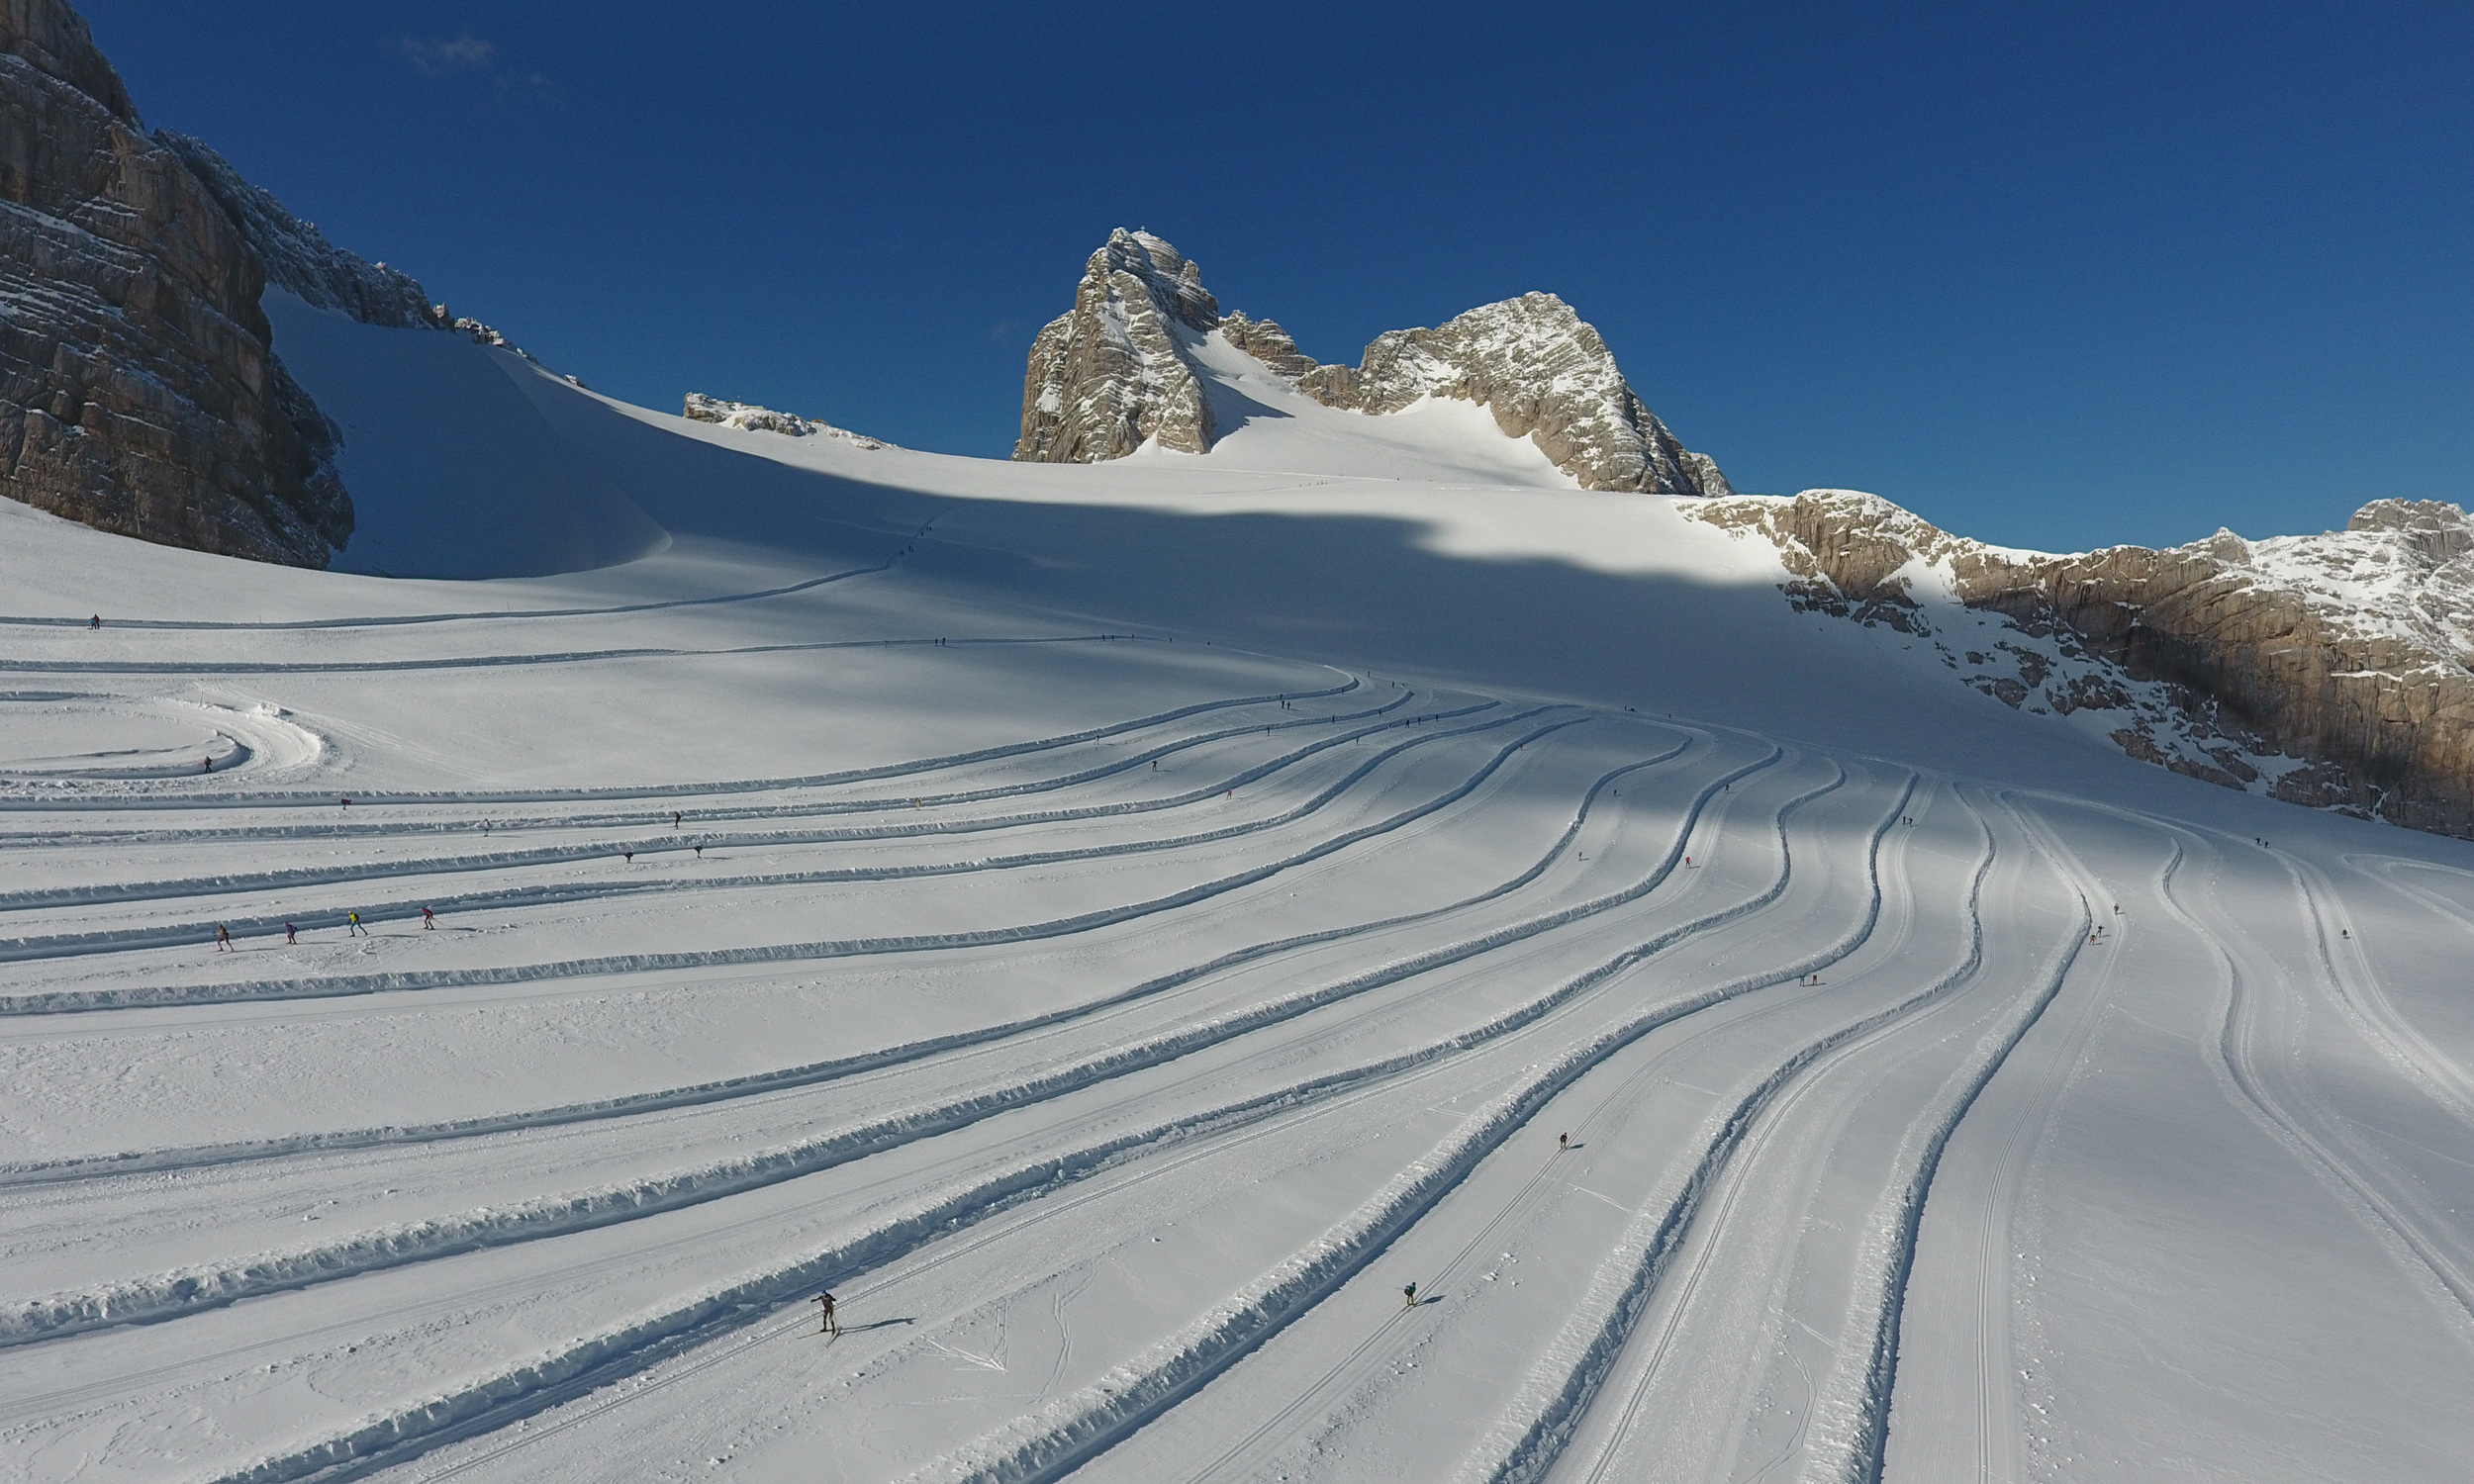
[746, 415]
[2328, 670]
[1115, 372]
[137, 390]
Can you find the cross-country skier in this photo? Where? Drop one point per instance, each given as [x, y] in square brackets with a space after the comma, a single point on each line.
[95, 623]
[1563, 1143]
[825, 1323]
[352, 924]
[348, 803]
[700, 852]
[205, 765]
[222, 938]
[291, 936]
[630, 854]
[675, 818]
[428, 920]
[1409, 1295]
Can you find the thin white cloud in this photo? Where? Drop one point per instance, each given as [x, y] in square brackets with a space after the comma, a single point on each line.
[436, 56]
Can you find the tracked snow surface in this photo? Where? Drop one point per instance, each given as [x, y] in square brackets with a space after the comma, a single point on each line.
[1119, 926]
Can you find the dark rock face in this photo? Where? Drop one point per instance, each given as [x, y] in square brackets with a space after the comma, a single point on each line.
[2341, 659]
[1115, 372]
[137, 390]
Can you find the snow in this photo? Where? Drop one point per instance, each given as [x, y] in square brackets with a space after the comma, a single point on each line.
[1146, 914]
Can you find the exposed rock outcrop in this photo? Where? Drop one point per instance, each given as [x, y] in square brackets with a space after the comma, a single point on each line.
[1116, 372]
[2328, 670]
[1111, 375]
[747, 415]
[137, 390]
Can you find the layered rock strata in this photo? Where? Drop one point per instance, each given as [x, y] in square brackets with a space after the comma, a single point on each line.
[2328, 670]
[139, 393]
[1117, 371]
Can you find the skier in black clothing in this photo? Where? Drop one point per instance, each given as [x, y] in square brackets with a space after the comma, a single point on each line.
[675, 818]
[1409, 1295]
[827, 1324]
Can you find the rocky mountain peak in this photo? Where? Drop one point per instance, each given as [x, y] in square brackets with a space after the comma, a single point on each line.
[1545, 375]
[1112, 375]
[1115, 372]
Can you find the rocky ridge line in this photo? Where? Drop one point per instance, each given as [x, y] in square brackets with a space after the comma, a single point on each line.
[2329, 671]
[1115, 373]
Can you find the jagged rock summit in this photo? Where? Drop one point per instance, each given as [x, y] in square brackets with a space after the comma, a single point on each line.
[1119, 371]
[2329, 671]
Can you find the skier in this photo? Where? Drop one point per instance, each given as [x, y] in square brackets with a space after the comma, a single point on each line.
[222, 938]
[352, 924]
[428, 920]
[291, 936]
[1409, 1296]
[1563, 1143]
[348, 803]
[700, 852]
[825, 1324]
[675, 818]
[205, 765]
[630, 856]
[95, 623]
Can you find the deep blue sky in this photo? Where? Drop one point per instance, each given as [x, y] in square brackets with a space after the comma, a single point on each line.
[2055, 275]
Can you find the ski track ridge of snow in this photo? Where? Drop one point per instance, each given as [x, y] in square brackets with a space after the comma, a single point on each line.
[70, 1000]
[906, 768]
[68, 945]
[497, 1400]
[163, 1295]
[783, 1078]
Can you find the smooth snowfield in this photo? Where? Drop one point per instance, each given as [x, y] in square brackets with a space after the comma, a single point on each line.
[1117, 927]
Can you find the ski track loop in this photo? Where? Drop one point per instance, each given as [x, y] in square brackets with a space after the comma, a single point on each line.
[323, 800]
[119, 939]
[70, 1000]
[665, 839]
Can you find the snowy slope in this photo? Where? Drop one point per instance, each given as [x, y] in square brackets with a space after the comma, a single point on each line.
[1115, 926]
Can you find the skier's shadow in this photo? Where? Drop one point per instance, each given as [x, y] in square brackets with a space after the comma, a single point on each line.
[1424, 1299]
[881, 1323]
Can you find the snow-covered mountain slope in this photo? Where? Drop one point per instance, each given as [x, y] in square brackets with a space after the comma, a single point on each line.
[1141, 362]
[1115, 926]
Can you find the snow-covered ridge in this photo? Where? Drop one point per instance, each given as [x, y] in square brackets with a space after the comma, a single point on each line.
[298, 255]
[2328, 670]
[748, 417]
[1122, 370]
